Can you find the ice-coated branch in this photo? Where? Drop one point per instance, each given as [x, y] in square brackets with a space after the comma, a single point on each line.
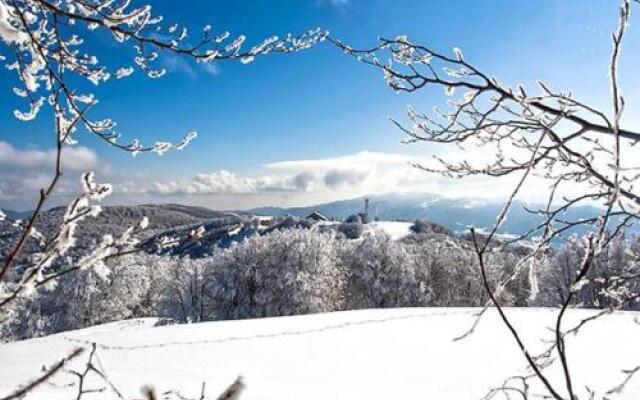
[575, 147]
[47, 48]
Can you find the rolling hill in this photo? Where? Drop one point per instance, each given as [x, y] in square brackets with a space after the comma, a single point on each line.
[369, 354]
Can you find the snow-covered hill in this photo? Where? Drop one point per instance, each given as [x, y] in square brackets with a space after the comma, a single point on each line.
[373, 354]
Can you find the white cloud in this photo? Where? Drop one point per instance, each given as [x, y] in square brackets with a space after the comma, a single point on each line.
[176, 64]
[36, 182]
[75, 158]
[336, 3]
[211, 69]
[373, 172]
[24, 172]
[361, 172]
[340, 178]
[226, 182]
[363, 158]
[297, 182]
[173, 63]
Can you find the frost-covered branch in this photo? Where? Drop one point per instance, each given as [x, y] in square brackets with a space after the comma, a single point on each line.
[91, 368]
[49, 47]
[549, 134]
[232, 392]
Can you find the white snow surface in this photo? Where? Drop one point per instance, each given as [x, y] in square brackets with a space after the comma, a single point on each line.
[371, 354]
[395, 229]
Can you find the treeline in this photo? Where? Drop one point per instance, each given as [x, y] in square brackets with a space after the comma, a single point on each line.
[299, 271]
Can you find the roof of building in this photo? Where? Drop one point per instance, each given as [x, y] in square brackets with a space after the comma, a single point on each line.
[317, 216]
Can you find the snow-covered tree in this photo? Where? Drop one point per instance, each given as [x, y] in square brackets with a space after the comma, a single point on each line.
[185, 296]
[287, 272]
[134, 287]
[610, 283]
[383, 273]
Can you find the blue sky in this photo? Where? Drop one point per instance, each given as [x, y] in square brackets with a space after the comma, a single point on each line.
[318, 104]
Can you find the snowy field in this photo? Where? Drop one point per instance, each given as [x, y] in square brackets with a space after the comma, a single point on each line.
[372, 354]
[395, 229]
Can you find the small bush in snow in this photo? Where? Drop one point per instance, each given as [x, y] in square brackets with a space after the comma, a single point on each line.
[352, 230]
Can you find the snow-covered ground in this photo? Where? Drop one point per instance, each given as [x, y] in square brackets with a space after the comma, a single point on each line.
[395, 229]
[371, 354]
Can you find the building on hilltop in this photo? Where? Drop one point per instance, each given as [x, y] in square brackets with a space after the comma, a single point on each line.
[316, 216]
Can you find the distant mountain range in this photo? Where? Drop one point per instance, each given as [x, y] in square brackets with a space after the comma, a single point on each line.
[15, 215]
[455, 214]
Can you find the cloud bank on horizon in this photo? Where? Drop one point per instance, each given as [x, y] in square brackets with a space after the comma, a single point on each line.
[303, 182]
[282, 183]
